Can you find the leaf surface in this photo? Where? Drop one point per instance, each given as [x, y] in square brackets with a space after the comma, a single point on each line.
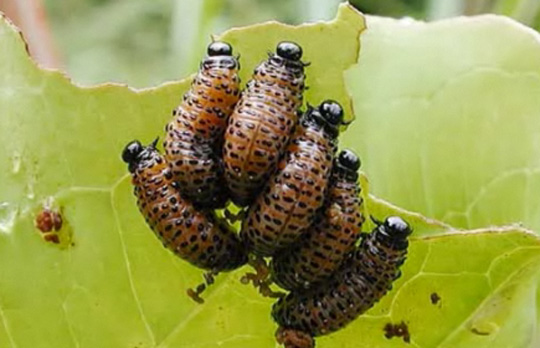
[111, 284]
[448, 118]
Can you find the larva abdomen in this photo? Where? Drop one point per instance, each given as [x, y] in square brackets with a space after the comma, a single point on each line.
[195, 167]
[262, 122]
[361, 281]
[293, 194]
[195, 135]
[199, 237]
[337, 228]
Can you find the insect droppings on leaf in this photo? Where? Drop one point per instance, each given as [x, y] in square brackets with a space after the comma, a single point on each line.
[435, 298]
[397, 330]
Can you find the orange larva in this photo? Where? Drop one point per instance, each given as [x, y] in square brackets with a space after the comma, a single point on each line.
[337, 228]
[262, 122]
[199, 237]
[195, 136]
[287, 205]
[364, 278]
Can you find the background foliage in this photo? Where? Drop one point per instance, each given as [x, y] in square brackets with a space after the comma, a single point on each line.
[143, 43]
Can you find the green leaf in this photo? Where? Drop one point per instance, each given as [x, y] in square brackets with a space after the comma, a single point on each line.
[448, 118]
[111, 284]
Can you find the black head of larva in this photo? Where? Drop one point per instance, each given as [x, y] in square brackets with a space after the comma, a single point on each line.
[332, 112]
[289, 50]
[328, 115]
[348, 163]
[348, 159]
[219, 54]
[395, 227]
[131, 153]
[134, 152]
[219, 48]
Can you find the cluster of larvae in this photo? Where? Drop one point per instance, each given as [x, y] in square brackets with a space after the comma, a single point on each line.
[301, 199]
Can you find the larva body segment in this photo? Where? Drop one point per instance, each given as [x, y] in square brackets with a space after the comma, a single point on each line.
[262, 122]
[214, 92]
[295, 192]
[201, 238]
[195, 167]
[337, 228]
[195, 135]
[361, 282]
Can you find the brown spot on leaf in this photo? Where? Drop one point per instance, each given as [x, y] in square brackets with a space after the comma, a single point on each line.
[480, 332]
[52, 226]
[52, 238]
[48, 220]
[397, 330]
[435, 298]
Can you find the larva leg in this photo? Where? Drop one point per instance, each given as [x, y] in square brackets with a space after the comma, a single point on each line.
[266, 291]
[261, 271]
[194, 294]
[363, 235]
[260, 279]
[199, 289]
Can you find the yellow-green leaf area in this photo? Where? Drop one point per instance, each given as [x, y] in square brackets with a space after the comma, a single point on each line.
[113, 285]
[448, 118]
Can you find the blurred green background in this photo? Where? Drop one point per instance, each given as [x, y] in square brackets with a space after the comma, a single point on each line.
[144, 43]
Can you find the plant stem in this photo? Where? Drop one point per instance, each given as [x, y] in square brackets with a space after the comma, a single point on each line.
[31, 18]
